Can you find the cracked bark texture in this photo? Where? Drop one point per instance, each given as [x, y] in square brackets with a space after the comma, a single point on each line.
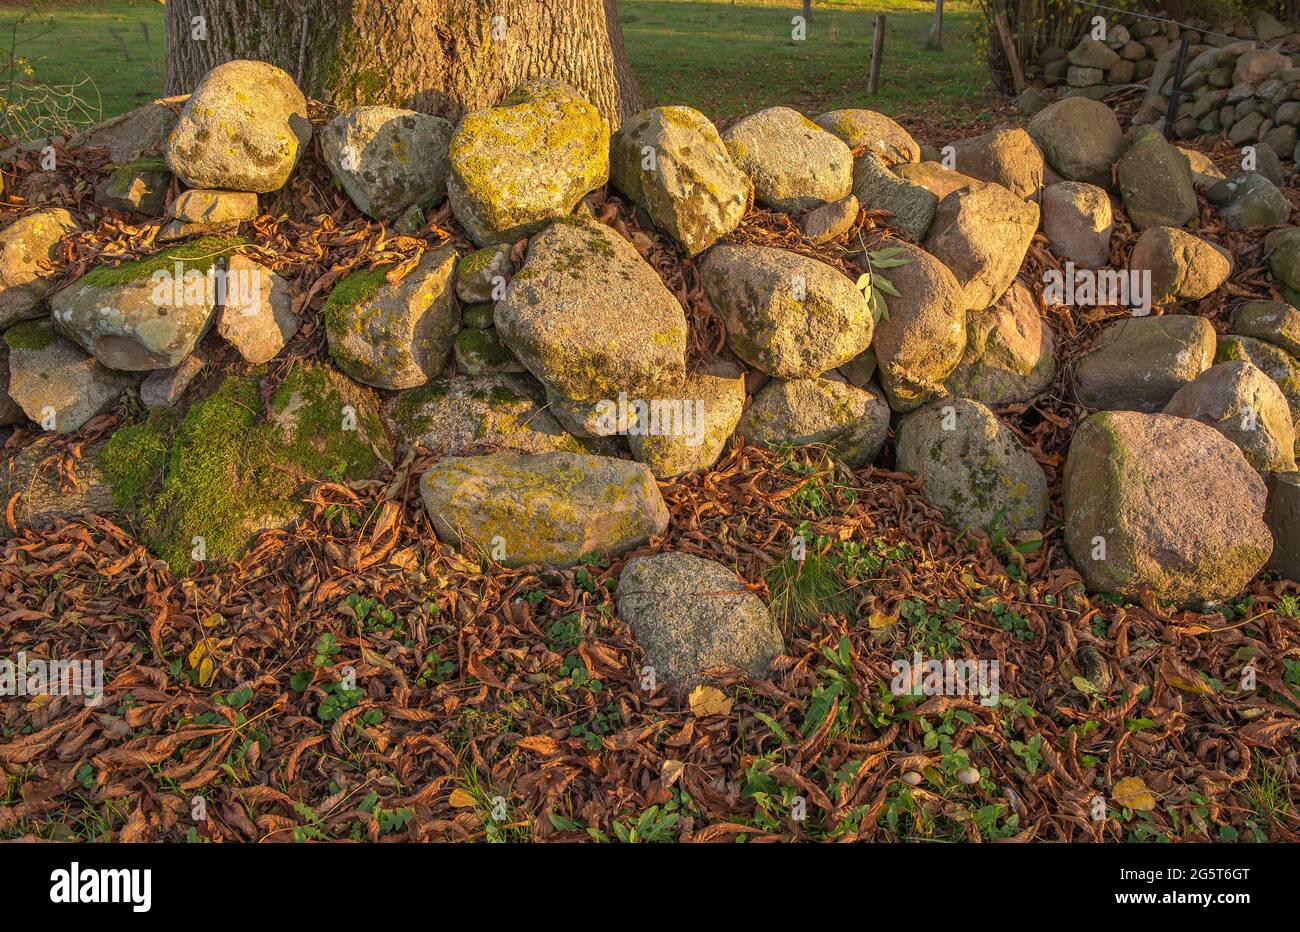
[437, 56]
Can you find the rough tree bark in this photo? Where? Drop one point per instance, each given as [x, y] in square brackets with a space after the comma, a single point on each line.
[437, 56]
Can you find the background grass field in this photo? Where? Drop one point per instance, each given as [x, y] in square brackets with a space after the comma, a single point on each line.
[724, 57]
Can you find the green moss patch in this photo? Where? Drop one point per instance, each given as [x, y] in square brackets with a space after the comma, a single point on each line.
[30, 335]
[196, 255]
[225, 471]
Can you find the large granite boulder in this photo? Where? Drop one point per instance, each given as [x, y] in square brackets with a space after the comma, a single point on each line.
[851, 422]
[388, 159]
[1138, 363]
[553, 508]
[518, 166]
[590, 318]
[1010, 352]
[982, 234]
[673, 165]
[875, 132]
[1183, 266]
[689, 431]
[1077, 221]
[791, 316]
[244, 128]
[148, 313]
[1079, 138]
[1162, 504]
[795, 165]
[394, 334]
[54, 382]
[28, 248]
[467, 415]
[921, 341]
[1007, 156]
[877, 188]
[972, 467]
[1155, 181]
[1238, 400]
[691, 615]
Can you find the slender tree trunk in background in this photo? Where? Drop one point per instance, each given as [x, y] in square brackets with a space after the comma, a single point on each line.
[437, 56]
[935, 41]
[807, 10]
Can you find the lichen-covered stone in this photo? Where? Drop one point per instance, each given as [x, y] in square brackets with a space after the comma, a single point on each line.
[1239, 401]
[1138, 363]
[1275, 362]
[482, 276]
[590, 318]
[1248, 199]
[1077, 221]
[139, 186]
[394, 335]
[877, 188]
[1155, 181]
[244, 128]
[1010, 352]
[877, 132]
[921, 341]
[1271, 321]
[789, 315]
[214, 208]
[672, 163]
[590, 420]
[1283, 519]
[972, 467]
[388, 159]
[148, 313]
[851, 422]
[56, 384]
[795, 165]
[163, 388]
[466, 415]
[825, 223]
[1007, 156]
[1282, 251]
[1079, 138]
[981, 233]
[690, 615]
[689, 431]
[28, 246]
[518, 166]
[130, 135]
[1183, 266]
[257, 316]
[550, 508]
[1162, 504]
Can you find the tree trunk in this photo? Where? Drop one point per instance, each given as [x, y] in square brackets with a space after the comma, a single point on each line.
[436, 56]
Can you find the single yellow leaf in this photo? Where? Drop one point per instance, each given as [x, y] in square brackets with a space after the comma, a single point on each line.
[1132, 793]
[970, 582]
[1189, 685]
[707, 700]
[462, 799]
[213, 620]
[878, 621]
[207, 672]
[197, 654]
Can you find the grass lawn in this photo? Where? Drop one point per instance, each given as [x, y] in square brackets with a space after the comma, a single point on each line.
[731, 58]
[725, 57]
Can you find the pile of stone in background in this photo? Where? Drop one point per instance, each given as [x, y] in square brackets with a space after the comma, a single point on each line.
[1134, 49]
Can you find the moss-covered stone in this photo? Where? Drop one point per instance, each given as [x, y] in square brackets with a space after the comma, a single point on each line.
[198, 255]
[31, 335]
[230, 468]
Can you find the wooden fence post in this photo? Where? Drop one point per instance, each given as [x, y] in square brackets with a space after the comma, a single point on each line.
[935, 40]
[877, 50]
